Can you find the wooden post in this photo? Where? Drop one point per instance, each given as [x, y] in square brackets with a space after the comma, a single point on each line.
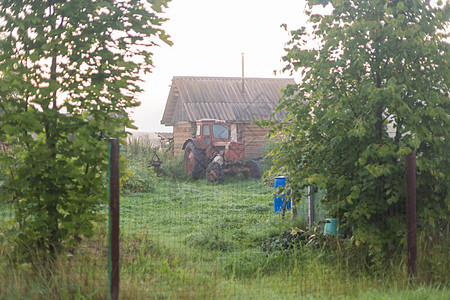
[113, 259]
[411, 225]
[310, 207]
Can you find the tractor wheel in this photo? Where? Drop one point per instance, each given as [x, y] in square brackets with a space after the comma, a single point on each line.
[193, 162]
[214, 173]
[255, 169]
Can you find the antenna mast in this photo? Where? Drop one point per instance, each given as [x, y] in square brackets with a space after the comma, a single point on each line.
[242, 89]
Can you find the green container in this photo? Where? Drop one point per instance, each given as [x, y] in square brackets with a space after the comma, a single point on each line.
[332, 227]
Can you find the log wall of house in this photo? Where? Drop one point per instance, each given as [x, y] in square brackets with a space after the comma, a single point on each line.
[254, 140]
[181, 132]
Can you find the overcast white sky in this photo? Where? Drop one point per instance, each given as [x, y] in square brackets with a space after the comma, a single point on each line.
[209, 37]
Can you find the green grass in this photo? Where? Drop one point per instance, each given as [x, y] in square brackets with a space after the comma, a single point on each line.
[193, 240]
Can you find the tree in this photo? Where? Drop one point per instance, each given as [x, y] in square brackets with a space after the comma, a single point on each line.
[69, 71]
[375, 87]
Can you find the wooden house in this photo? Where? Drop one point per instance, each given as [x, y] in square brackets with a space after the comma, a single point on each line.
[232, 99]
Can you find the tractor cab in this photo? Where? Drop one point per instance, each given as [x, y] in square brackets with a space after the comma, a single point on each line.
[217, 139]
[213, 132]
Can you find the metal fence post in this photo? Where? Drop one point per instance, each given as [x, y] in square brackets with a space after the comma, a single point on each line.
[113, 251]
[411, 225]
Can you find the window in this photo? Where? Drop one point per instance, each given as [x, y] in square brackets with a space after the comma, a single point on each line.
[206, 133]
[198, 129]
[206, 130]
[221, 131]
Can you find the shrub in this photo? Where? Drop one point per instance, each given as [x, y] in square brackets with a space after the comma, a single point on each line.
[173, 167]
[138, 178]
[139, 175]
[269, 147]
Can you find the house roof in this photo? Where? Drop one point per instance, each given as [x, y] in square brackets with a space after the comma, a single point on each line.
[195, 98]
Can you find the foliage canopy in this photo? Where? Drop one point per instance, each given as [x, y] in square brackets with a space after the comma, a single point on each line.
[375, 85]
[68, 70]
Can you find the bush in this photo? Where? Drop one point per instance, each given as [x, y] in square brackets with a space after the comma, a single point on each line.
[138, 178]
[4, 194]
[173, 167]
[269, 147]
[2, 184]
[139, 175]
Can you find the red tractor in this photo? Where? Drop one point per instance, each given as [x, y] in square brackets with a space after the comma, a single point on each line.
[212, 152]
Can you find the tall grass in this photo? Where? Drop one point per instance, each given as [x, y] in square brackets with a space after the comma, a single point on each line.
[140, 154]
[217, 232]
[190, 239]
[139, 173]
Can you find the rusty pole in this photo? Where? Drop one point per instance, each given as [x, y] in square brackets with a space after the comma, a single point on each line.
[411, 225]
[113, 261]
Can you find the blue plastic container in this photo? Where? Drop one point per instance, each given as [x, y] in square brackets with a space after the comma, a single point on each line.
[332, 227]
[279, 199]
